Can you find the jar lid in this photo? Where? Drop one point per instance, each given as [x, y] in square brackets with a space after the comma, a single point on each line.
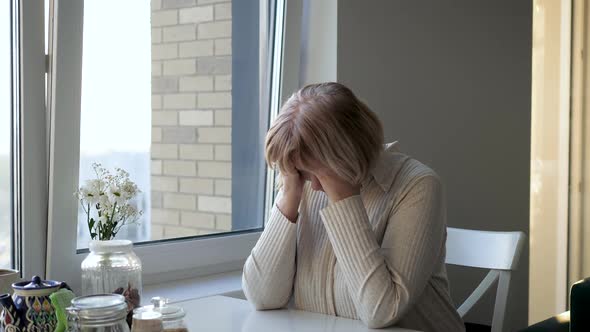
[147, 321]
[160, 305]
[36, 283]
[146, 315]
[110, 246]
[172, 313]
[97, 307]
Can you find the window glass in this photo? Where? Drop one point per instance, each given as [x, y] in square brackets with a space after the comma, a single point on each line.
[170, 94]
[5, 133]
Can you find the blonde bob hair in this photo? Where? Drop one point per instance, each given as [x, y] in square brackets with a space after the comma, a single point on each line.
[327, 124]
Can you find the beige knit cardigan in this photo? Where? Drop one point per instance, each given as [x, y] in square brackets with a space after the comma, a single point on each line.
[378, 256]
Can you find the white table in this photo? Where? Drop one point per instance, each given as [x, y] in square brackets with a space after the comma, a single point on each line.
[226, 314]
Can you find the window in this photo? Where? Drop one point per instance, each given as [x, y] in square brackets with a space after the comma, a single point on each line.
[170, 93]
[5, 136]
[178, 93]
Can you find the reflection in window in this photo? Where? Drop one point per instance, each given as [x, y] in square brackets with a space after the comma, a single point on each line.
[162, 85]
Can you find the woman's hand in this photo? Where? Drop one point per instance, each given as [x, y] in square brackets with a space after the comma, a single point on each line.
[335, 187]
[292, 192]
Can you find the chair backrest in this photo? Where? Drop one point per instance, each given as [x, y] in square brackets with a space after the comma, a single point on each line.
[497, 251]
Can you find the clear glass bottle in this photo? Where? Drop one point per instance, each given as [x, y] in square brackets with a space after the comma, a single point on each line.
[113, 267]
[98, 313]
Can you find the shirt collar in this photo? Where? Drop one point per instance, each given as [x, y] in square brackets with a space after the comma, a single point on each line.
[388, 165]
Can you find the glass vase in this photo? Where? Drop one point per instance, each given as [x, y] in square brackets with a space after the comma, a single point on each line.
[113, 267]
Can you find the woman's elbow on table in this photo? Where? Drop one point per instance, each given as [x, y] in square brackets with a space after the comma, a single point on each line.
[377, 320]
[263, 298]
[382, 310]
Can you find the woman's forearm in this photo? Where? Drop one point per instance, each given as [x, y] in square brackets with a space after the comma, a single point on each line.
[267, 279]
[386, 279]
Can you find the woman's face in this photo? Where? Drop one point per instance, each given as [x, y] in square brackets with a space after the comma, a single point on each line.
[309, 174]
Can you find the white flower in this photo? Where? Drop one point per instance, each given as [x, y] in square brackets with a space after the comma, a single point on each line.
[129, 189]
[90, 192]
[105, 202]
[95, 186]
[87, 196]
[115, 195]
[110, 195]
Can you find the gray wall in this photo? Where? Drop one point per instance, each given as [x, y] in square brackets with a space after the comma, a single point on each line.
[451, 81]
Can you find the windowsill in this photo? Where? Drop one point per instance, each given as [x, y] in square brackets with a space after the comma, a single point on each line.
[228, 283]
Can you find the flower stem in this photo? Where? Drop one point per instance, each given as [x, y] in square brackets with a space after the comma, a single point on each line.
[88, 221]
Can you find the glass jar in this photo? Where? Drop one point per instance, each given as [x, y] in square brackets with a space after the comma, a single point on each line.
[172, 316]
[98, 313]
[113, 267]
[147, 321]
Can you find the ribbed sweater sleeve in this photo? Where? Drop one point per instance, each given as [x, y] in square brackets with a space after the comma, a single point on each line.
[384, 281]
[267, 279]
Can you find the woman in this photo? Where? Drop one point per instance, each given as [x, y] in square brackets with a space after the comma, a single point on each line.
[357, 231]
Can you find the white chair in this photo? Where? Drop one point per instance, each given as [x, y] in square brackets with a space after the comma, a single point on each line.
[497, 251]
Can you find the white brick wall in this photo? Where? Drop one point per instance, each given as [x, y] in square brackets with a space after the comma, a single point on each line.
[223, 83]
[223, 187]
[214, 135]
[180, 101]
[196, 14]
[164, 51]
[223, 222]
[223, 46]
[196, 118]
[164, 17]
[198, 220]
[204, 2]
[196, 151]
[156, 4]
[196, 186]
[156, 167]
[179, 201]
[156, 35]
[156, 102]
[196, 83]
[156, 134]
[167, 118]
[222, 117]
[214, 169]
[215, 204]
[196, 48]
[164, 183]
[165, 151]
[223, 11]
[156, 68]
[168, 217]
[179, 33]
[223, 152]
[213, 30]
[191, 117]
[178, 3]
[214, 100]
[175, 231]
[180, 167]
[179, 67]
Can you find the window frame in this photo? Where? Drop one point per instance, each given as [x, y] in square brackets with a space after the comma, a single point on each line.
[28, 138]
[161, 261]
